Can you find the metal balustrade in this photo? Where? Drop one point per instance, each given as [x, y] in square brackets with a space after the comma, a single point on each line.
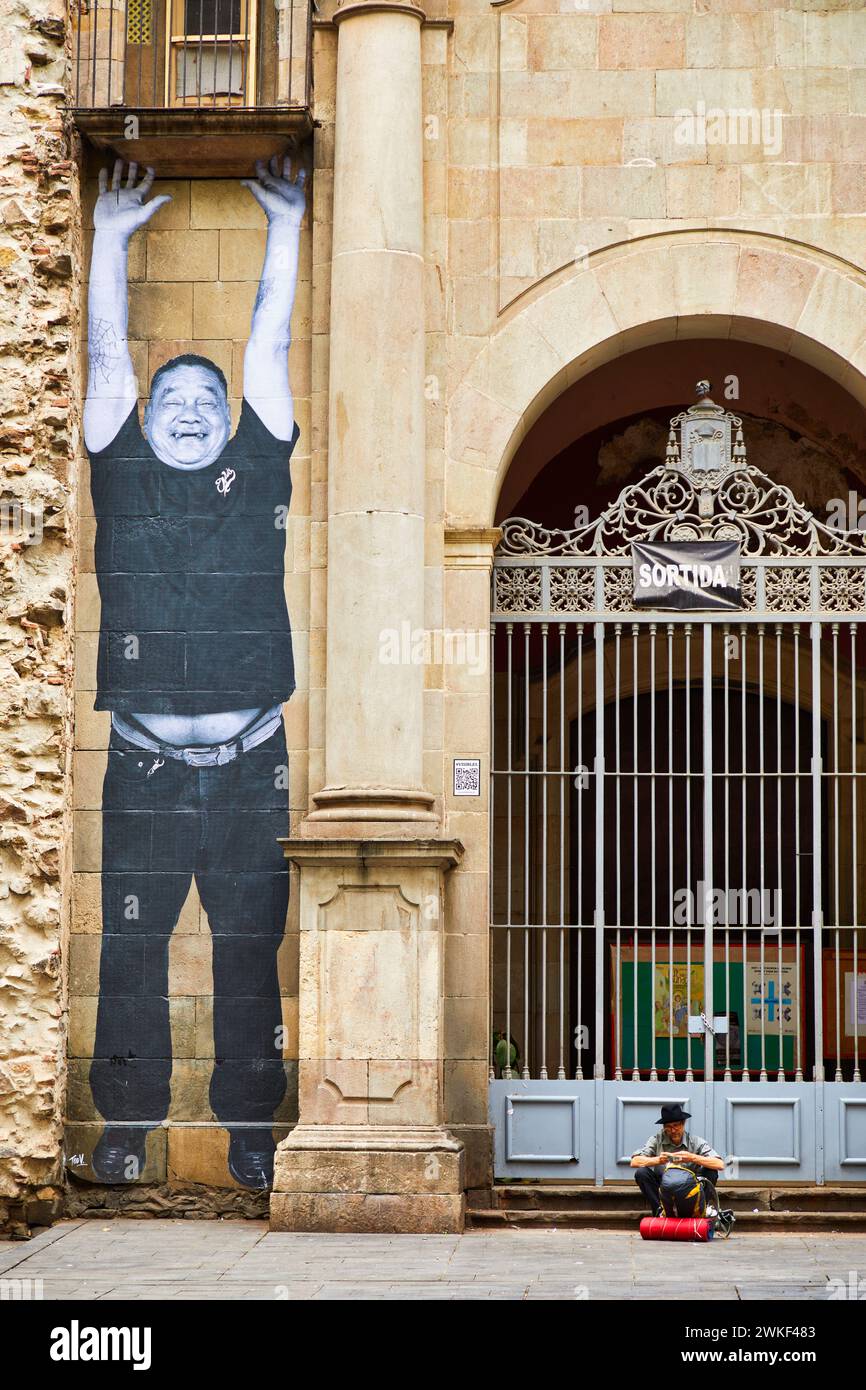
[195, 55]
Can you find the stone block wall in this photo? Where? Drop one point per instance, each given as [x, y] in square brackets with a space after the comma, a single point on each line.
[576, 127]
[39, 431]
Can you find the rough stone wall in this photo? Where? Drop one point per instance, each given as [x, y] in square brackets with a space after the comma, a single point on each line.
[38, 441]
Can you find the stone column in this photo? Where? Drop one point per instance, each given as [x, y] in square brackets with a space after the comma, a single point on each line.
[376, 446]
[371, 1151]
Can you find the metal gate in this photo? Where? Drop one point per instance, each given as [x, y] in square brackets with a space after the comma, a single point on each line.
[676, 876]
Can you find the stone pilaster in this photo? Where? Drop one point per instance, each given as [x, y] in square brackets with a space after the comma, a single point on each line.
[376, 449]
[371, 1151]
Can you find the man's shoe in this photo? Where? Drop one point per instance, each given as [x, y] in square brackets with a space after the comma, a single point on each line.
[251, 1157]
[120, 1154]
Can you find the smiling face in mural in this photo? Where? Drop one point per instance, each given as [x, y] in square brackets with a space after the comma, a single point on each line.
[187, 421]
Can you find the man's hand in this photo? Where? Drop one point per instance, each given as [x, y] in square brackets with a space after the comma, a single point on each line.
[282, 198]
[122, 209]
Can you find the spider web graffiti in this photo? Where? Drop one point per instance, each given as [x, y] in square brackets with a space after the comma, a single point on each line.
[102, 347]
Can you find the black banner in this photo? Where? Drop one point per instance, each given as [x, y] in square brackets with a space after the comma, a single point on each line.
[687, 575]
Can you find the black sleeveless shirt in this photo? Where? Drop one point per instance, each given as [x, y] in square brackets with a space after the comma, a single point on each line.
[190, 567]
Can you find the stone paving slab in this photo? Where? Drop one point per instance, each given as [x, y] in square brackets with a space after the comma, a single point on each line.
[177, 1259]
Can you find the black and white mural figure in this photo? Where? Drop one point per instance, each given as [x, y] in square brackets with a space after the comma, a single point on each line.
[195, 663]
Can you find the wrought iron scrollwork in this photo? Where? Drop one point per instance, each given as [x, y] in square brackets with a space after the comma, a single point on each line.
[747, 506]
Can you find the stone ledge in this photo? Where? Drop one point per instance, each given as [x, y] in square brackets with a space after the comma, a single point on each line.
[413, 1214]
[368, 1173]
[372, 1139]
[364, 852]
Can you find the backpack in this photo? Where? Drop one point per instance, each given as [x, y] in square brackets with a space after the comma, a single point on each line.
[681, 1192]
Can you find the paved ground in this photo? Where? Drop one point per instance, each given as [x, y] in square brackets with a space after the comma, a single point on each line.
[126, 1259]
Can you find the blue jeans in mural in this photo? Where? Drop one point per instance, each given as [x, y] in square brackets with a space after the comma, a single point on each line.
[160, 827]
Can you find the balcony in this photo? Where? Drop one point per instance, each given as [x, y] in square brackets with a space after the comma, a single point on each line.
[197, 88]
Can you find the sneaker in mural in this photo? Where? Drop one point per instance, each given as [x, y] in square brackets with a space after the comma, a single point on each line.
[120, 1154]
[251, 1157]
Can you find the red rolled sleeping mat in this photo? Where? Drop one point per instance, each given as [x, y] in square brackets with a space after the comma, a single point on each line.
[676, 1228]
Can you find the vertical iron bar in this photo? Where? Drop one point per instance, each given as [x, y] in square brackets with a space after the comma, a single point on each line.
[836, 837]
[654, 1076]
[798, 1072]
[727, 848]
[690, 895]
[156, 48]
[560, 1073]
[491, 859]
[744, 806]
[855, 907]
[581, 786]
[616, 719]
[763, 989]
[544, 656]
[509, 629]
[78, 53]
[95, 33]
[817, 830]
[707, 731]
[635, 631]
[599, 851]
[138, 83]
[780, 1074]
[526, 693]
[111, 47]
[670, 653]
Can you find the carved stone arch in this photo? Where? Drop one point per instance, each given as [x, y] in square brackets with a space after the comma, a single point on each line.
[745, 285]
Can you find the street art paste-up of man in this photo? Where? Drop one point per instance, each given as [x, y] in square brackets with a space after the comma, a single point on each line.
[195, 662]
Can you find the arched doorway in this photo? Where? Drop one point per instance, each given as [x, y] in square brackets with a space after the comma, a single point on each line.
[676, 896]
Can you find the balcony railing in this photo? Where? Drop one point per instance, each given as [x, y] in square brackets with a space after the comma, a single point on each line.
[191, 55]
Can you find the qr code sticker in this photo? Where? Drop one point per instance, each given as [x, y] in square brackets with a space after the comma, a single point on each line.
[467, 776]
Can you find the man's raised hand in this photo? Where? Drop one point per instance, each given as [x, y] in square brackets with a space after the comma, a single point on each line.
[121, 207]
[281, 196]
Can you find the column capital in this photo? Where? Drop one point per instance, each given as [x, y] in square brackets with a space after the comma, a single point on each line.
[470, 547]
[356, 7]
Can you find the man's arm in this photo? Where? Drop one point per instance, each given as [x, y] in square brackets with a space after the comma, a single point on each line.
[648, 1156]
[111, 385]
[266, 362]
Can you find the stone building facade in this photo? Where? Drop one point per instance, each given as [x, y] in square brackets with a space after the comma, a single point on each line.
[530, 226]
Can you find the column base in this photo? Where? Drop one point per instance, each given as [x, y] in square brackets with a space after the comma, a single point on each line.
[372, 811]
[360, 1178]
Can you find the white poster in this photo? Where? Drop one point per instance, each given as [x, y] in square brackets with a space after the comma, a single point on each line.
[855, 1003]
[767, 999]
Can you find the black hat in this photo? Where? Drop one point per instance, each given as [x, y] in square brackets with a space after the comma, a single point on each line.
[672, 1114]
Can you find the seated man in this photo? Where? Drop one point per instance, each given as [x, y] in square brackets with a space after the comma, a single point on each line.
[674, 1144]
